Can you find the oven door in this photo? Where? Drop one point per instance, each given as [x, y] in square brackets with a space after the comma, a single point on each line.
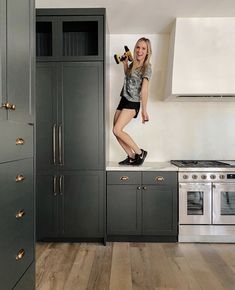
[195, 203]
[224, 203]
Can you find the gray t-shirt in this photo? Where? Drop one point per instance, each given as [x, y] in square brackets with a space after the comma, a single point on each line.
[132, 84]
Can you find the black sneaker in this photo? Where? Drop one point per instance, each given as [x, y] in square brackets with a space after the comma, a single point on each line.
[127, 161]
[140, 158]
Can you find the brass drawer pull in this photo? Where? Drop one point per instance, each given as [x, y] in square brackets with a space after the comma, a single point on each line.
[124, 178]
[20, 177]
[20, 141]
[8, 106]
[20, 254]
[20, 214]
[159, 178]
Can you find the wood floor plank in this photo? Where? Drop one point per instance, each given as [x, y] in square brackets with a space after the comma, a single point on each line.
[140, 268]
[218, 266]
[227, 253]
[162, 273]
[184, 276]
[55, 273]
[202, 273]
[78, 275]
[120, 278]
[101, 268]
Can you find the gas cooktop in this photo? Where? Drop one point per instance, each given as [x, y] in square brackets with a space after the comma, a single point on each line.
[199, 163]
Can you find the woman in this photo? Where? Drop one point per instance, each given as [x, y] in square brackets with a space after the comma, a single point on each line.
[134, 95]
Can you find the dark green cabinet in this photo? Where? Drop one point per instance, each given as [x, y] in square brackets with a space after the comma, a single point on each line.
[70, 124]
[142, 204]
[17, 56]
[17, 142]
[70, 205]
[69, 116]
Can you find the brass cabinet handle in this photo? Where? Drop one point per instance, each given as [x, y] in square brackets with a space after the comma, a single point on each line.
[124, 178]
[20, 254]
[20, 141]
[159, 178]
[9, 106]
[20, 177]
[20, 214]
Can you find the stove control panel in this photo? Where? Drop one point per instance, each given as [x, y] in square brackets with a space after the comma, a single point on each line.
[206, 177]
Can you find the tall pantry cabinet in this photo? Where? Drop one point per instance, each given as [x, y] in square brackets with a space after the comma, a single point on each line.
[70, 124]
[17, 59]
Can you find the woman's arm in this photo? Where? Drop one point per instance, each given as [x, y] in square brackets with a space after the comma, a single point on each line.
[144, 99]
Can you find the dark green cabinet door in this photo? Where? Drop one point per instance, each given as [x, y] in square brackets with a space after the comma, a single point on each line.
[82, 205]
[159, 210]
[3, 113]
[81, 123]
[123, 210]
[20, 57]
[46, 116]
[47, 206]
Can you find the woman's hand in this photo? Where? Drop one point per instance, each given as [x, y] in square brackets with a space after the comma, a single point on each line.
[145, 116]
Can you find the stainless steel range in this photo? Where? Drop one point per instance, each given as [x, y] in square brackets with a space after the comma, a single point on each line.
[206, 200]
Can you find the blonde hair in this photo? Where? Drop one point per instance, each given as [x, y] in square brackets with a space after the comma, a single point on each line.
[133, 65]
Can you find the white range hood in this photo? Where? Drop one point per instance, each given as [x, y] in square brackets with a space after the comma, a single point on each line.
[201, 65]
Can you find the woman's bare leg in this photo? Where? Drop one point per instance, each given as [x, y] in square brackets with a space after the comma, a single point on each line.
[123, 119]
[126, 148]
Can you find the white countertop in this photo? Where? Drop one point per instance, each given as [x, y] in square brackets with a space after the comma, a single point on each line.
[147, 166]
[165, 166]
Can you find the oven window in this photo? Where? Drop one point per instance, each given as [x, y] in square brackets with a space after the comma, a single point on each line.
[227, 199]
[195, 202]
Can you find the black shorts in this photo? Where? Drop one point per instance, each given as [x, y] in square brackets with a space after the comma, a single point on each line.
[125, 104]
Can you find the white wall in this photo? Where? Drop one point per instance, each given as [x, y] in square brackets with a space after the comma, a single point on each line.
[175, 130]
[191, 130]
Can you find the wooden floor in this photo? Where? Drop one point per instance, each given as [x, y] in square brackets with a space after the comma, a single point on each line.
[135, 266]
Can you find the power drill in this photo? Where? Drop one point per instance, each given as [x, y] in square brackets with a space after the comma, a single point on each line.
[127, 54]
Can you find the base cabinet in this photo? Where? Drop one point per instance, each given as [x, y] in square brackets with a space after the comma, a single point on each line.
[70, 205]
[142, 206]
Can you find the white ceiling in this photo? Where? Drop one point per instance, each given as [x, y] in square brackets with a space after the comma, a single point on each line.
[147, 16]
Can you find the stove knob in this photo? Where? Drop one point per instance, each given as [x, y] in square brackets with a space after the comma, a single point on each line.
[222, 176]
[194, 176]
[185, 176]
[203, 176]
[213, 176]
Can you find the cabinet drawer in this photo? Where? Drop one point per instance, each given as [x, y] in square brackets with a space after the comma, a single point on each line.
[123, 177]
[160, 177]
[16, 141]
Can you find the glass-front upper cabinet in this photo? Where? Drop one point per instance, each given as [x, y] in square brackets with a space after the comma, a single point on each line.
[46, 31]
[69, 38]
[81, 37]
